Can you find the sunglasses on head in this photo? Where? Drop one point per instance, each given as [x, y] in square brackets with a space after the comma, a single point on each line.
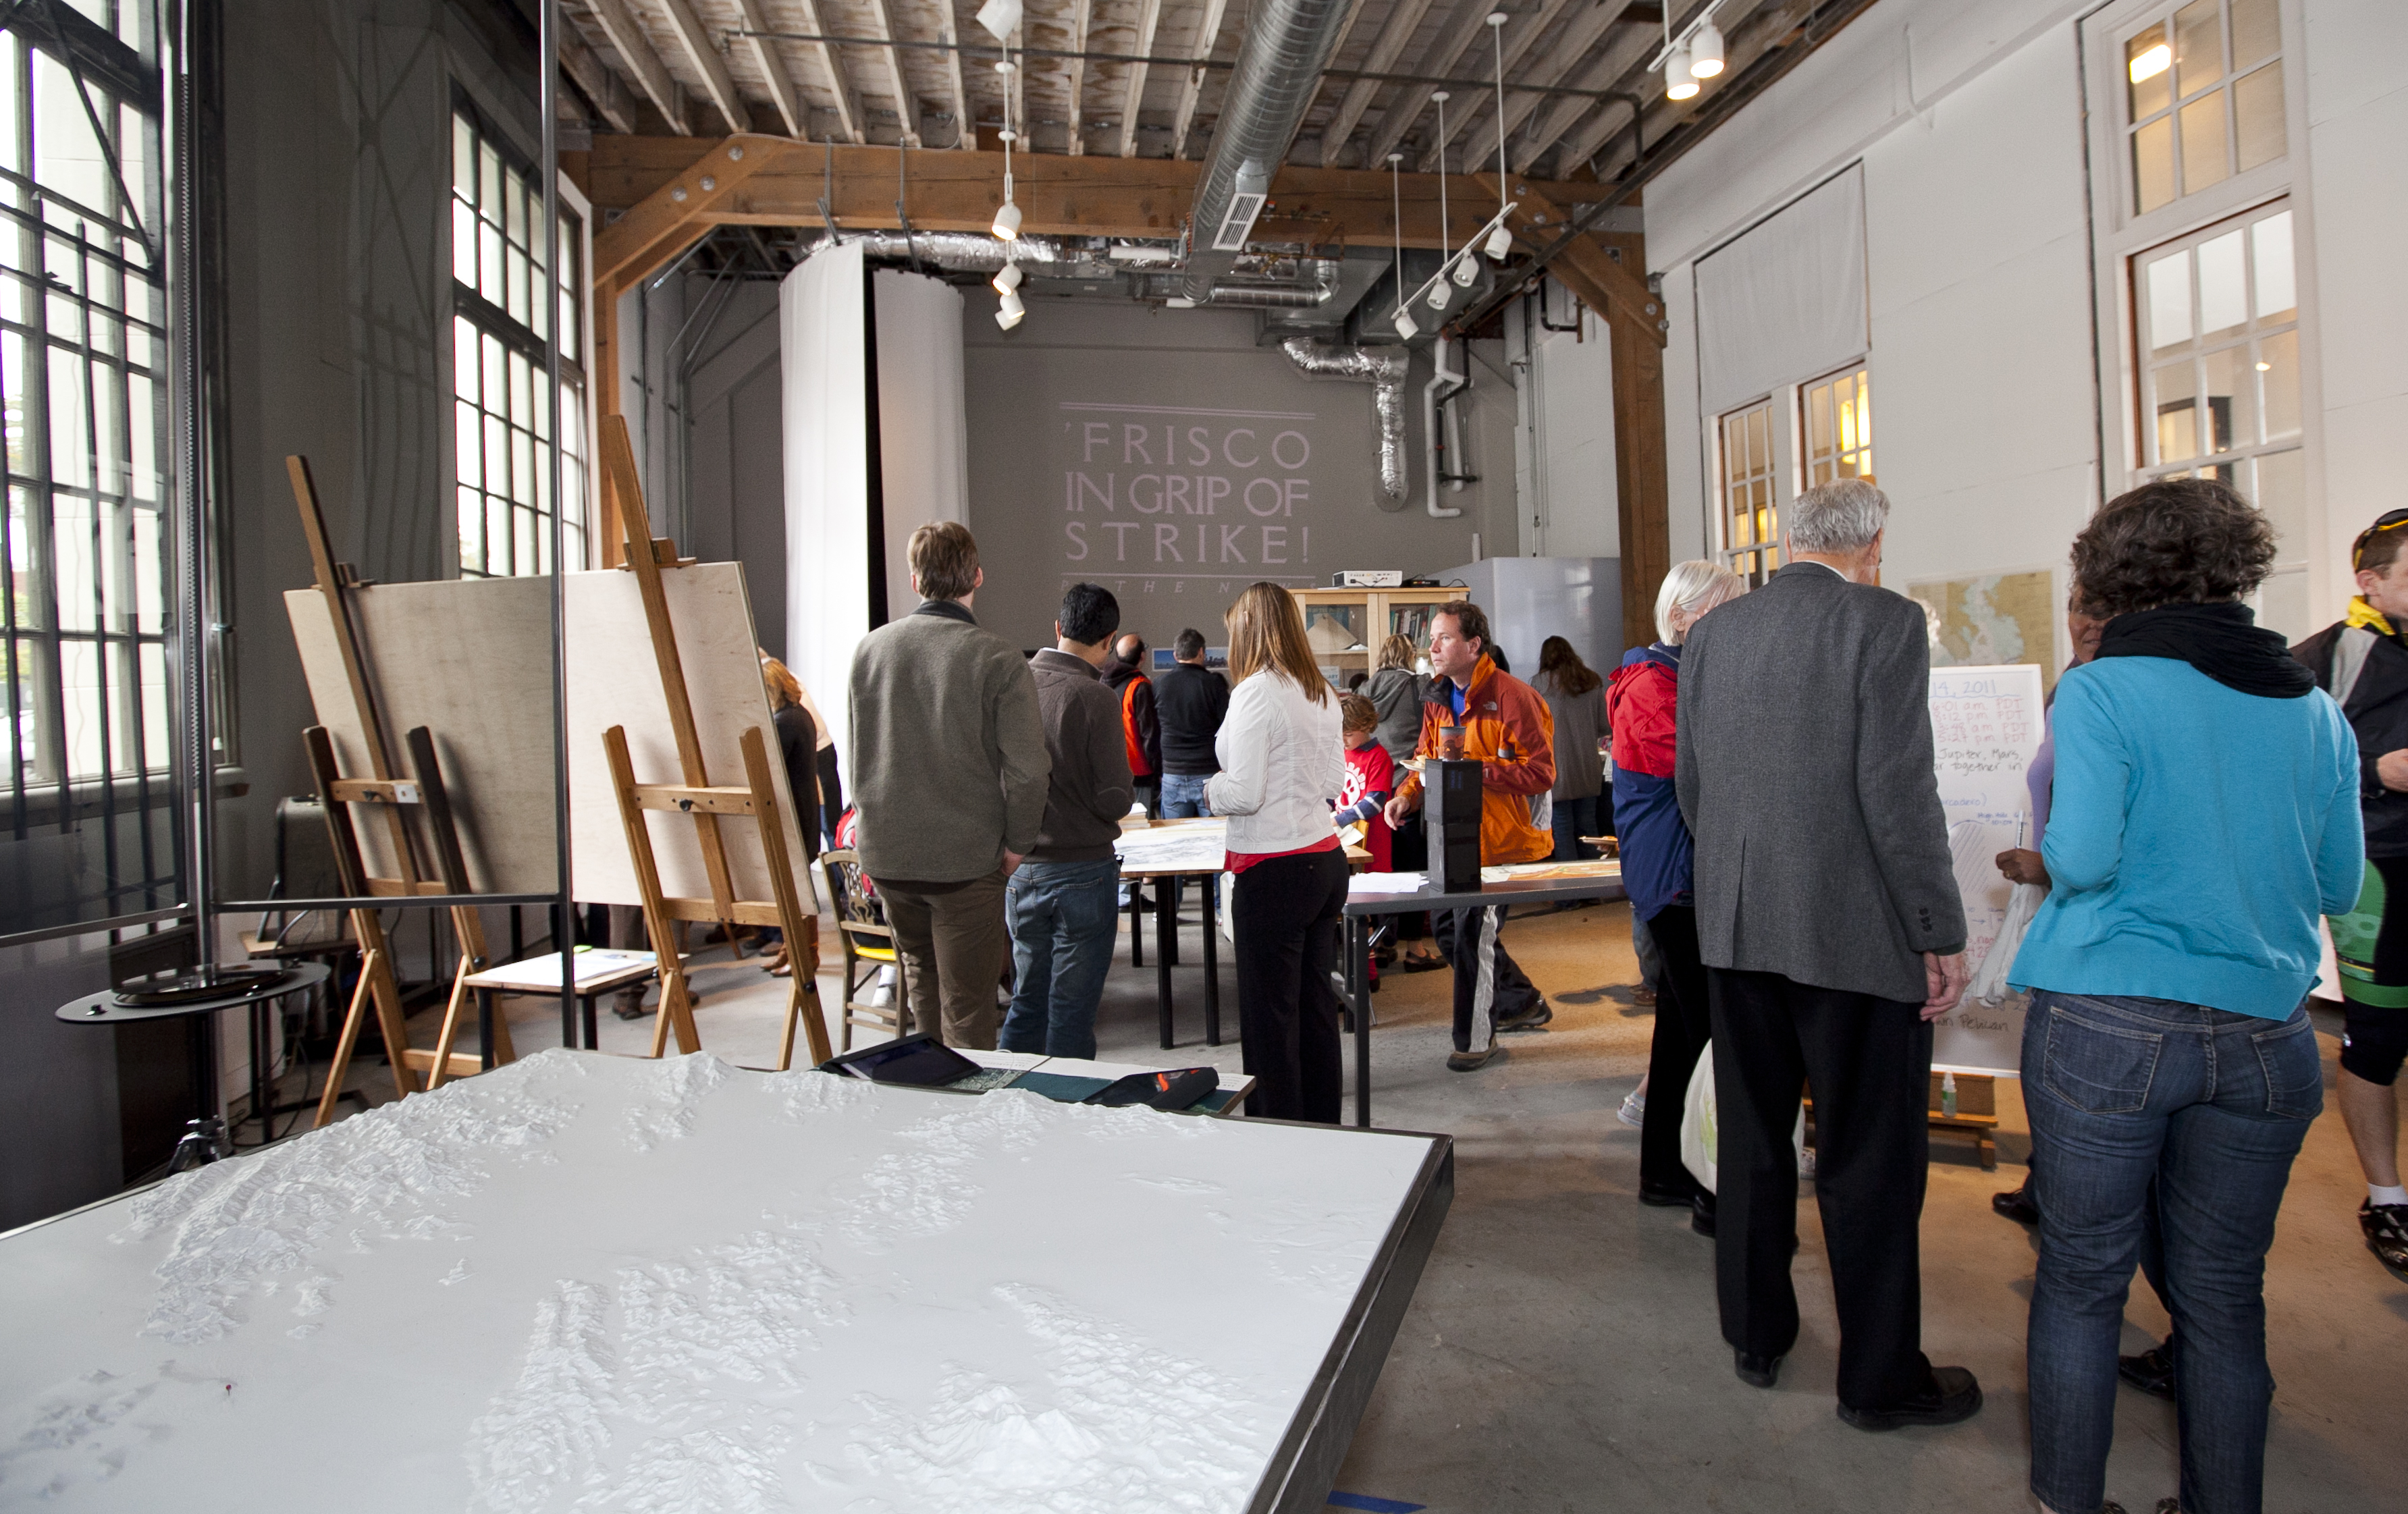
[2387, 521]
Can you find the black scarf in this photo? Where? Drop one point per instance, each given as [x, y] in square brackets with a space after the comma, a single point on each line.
[2223, 641]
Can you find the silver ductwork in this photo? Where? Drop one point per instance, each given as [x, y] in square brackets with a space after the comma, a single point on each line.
[1383, 369]
[1286, 46]
[966, 251]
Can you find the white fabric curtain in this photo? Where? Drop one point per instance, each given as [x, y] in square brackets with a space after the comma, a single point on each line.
[922, 426]
[923, 461]
[825, 400]
[1785, 302]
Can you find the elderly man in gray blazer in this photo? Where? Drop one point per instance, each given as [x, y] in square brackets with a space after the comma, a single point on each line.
[1829, 921]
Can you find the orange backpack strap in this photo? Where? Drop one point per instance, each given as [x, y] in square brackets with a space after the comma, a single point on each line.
[1128, 729]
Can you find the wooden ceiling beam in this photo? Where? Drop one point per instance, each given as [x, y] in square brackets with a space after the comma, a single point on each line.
[695, 38]
[1469, 24]
[596, 80]
[1396, 35]
[636, 49]
[1082, 16]
[907, 104]
[1610, 70]
[949, 31]
[778, 183]
[1583, 35]
[1191, 90]
[792, 108]
[850, 122]
[1149, 18]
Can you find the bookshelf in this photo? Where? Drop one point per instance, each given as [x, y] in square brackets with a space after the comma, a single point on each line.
[1362, 619]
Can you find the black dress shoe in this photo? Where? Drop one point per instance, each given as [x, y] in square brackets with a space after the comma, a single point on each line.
[1664, 1197]
[1755, 1371]
[2152, 1371]
[1953, 1398]
[2017, 1205]
[1701, 1214]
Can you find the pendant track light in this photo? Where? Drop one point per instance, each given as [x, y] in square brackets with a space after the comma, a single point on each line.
[1406, 328]
[1501, 241]
[1011, 311]
[1007, 279]
[1678, 82]
[1007, 218]
[1706, 51]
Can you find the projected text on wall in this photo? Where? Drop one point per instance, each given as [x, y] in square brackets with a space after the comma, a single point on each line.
[1167, 499]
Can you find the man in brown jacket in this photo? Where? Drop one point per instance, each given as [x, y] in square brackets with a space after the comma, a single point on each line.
[1060, 903]
[950, 772]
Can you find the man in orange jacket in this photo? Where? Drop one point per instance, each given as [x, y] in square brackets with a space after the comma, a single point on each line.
[1507, 729]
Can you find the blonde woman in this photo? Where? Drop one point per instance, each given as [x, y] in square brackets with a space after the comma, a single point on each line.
[1657, 866]
[1283, 765]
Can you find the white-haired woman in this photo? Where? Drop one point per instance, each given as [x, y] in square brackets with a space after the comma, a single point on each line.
[1657, 872]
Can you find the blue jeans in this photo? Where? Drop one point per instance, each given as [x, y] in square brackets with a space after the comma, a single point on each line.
[1574, 819]
[2212, 1106]
[1182, 795]
[1063, 924]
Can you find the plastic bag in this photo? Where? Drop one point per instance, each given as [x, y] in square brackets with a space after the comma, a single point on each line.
[1699, 1136]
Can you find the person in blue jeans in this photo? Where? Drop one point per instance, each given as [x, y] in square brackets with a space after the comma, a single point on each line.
[1059, 904]
[1192, 700]
[2204, 813]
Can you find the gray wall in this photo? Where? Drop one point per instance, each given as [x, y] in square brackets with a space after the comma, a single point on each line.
[1051, 426]
[337, 314]
[734, 479]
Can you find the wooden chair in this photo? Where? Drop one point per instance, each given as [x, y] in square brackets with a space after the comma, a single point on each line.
[869, 945]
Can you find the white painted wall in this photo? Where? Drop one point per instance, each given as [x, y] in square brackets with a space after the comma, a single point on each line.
[1574, 512]
[1985, 349]
[2357, 179]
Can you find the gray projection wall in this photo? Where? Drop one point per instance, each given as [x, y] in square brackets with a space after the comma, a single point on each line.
[1163, 455]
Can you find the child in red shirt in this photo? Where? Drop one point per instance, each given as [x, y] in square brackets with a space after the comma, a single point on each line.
[1370, 779]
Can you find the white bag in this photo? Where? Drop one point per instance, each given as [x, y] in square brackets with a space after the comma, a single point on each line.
[1700, 1137]
[1990, 984]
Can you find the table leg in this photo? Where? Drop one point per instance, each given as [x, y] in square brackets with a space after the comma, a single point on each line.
[485, 1027]
[1165, 900]
[263, 1083]
[1359, 964]
[1211, 882]
[1166, 930]
[593, 1036]
[202, 1032]
[1137, 925]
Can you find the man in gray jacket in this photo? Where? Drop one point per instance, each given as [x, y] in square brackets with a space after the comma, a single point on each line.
[1061, 902]
[949, 774]
[1829, 921]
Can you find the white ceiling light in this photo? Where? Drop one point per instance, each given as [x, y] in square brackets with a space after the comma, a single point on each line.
[2151, 61]
[1501, 241]
[1679, 83]
[1011, 311]
[1001, 18]
[1438, 295]
[1705, 51]
[1406, 327]
[1466, 270]
[1007, 279]
[1007, 219]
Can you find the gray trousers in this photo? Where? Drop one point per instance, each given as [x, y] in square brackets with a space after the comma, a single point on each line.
[953, 947]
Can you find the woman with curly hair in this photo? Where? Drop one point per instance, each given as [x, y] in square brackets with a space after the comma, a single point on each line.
[2204, 813]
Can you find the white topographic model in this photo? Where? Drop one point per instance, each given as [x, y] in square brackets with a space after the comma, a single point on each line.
[584, 1283]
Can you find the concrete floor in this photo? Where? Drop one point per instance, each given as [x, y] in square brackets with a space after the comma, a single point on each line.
[1562, 1352]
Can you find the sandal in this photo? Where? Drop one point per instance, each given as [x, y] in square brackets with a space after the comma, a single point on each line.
[1418, 964]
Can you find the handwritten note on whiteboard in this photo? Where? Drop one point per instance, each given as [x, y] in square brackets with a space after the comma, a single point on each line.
[1986, 725]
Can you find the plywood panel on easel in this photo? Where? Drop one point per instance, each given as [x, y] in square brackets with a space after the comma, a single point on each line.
[614, 680]
[469, 658]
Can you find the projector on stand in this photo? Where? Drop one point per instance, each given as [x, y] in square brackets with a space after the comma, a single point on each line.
[1367, 578]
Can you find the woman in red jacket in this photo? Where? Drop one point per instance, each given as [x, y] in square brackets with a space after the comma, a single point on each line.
[1656, 871]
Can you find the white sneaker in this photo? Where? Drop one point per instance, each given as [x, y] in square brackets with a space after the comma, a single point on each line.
[1633, 1111]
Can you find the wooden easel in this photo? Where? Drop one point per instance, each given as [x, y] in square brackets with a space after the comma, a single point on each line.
[378, 985]
[757, 801]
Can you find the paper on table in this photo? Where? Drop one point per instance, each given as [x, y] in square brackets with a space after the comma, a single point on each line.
[1182, 849]
[1387, 883]
[544, 971]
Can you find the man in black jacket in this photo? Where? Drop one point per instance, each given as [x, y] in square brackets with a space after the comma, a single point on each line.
[1191, 699]
[2362, 662]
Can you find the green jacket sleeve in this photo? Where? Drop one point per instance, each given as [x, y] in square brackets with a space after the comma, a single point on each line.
[1025, 766]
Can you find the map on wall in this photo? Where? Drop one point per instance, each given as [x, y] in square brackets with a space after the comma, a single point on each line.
[1995, 619]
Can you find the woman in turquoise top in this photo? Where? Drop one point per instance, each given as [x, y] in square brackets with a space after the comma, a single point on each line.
[2204, 814]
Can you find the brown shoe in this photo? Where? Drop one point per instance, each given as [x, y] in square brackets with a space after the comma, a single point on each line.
[1644, 998]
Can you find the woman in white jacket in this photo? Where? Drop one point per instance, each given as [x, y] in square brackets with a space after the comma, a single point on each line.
[1283, 762]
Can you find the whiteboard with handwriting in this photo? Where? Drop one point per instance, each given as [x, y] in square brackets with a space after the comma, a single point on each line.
[1986, 725]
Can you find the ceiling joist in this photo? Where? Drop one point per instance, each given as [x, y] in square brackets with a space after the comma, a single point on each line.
[636, 49]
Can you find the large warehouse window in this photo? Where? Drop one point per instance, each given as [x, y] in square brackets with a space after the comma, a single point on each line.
[90, 826]
[2218, 330]
[1750, 523]
[506, 315]
[2203, 97]
[1838, 415]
